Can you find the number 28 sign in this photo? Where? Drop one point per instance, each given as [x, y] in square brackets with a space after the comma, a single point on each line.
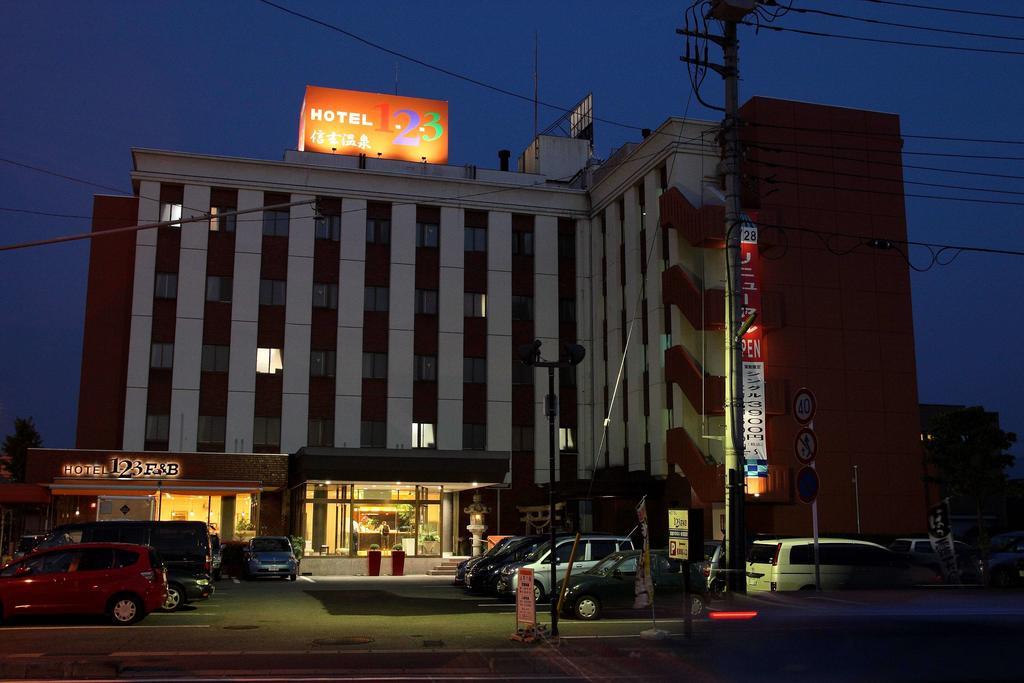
[389, 126]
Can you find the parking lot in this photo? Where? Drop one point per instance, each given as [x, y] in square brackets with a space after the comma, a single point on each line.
[424, 626]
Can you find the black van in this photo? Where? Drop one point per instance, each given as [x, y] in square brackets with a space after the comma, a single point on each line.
[184, 547]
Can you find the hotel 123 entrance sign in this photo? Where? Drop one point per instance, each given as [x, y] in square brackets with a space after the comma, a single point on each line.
[377, 125]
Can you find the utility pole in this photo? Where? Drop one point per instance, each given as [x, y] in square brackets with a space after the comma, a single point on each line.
[730, 12]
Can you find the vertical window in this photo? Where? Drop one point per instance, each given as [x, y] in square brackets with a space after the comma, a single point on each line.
[166, 286]
[522, 307]
[215, 358]
[328, 228]
[521, 374]
[170, 211]
[157, 427]
[221, 223]
[566, 246]
[218, 288]
[272, 292]
[325, 295]
[474, 305]
[474, 370]
[322, 363]
[567, 439]
[161, 355]
[522, 438]
[426, 301]
[275, 223]
[567, 310]
[423, 435]
[378, 231]
[426, 234]
[375, 299]
[375, 365]
[266, 431]
[372, 434]
[321, 433]
[474, 437]
[211, 429]
[269, 361]
[425, 368]
[522, 243]
[475, 239]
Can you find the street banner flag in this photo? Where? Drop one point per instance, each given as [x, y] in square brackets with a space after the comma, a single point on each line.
[643, 587]
[940, 533]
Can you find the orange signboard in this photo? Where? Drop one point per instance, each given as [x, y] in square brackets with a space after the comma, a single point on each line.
[377, 125]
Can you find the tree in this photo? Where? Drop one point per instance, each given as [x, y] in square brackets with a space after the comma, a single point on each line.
[967, 450]
[16, 445]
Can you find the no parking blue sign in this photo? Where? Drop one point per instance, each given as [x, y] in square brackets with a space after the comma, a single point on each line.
[807, 484]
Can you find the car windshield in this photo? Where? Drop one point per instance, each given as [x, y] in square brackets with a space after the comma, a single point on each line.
[270, 545]
[607, 565]
[538, 552]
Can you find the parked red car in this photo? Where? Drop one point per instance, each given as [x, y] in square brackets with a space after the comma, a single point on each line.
[123, 581]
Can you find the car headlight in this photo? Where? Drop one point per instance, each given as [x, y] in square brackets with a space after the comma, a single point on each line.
[202, 582]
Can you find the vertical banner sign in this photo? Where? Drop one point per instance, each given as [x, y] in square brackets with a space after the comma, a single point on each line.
[940, 533]
[526, 607]
[643, 587]
[755, 450]
[388, 126]
[679, 534]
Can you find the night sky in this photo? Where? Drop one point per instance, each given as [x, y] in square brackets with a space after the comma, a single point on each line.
[84, 82]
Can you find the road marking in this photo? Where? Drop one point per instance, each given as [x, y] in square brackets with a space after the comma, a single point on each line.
[307, 578]
[846, 602]
[234, 580]
[8, 629]
[495, 604]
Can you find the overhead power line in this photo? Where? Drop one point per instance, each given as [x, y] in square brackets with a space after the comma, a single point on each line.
[800, 146]
[916, 27]
[882, 134]
[954, 10]
[898, 164]
[440, 69]
[901, 43]
[775, 181]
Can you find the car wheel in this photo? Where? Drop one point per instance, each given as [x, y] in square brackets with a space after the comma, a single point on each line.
[538, 592]
[587, 607]
[216, 575]
[696, 605]
[1002, 578]
[175, 598]
[292, 577]
[125, 610]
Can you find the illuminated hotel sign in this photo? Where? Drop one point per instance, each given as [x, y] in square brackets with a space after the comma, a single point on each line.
[123, 468]
[388, 126]
[755, 418]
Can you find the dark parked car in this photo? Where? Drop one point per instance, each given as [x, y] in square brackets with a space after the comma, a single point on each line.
[484, 576]
[1004, 552]
[183, 546]
[495, 550]
[919, 551]
[215, 557]
[125, 582]
[27, 544]
[271, 556]
[610, 585]
[232, 558]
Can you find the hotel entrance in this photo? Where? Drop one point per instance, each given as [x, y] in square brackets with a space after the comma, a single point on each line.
[351, 519]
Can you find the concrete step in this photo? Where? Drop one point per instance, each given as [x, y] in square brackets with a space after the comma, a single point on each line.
[442, 572]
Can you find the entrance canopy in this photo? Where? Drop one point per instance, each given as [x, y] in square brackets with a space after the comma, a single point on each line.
[455, 470]
[114, 487]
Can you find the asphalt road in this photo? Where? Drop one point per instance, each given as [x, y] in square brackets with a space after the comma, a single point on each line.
[422, 627]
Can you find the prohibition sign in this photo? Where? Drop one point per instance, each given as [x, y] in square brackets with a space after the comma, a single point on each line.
[804, 406]
[806, 445]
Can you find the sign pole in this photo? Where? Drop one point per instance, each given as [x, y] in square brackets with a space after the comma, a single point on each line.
[817, 557]
[687, 606]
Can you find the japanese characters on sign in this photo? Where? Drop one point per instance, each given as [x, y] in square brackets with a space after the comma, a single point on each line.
[755, 421]
[526, 605]
[679, 534]
[392, 127]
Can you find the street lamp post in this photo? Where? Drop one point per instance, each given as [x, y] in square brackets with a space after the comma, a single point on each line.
[573, 354]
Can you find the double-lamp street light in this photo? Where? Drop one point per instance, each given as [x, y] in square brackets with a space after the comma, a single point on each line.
[572, 355]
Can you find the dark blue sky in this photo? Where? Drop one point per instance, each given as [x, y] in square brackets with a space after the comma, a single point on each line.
[84, 82]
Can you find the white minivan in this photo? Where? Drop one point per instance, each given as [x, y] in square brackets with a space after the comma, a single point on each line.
[591, 550]
[787, 564]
